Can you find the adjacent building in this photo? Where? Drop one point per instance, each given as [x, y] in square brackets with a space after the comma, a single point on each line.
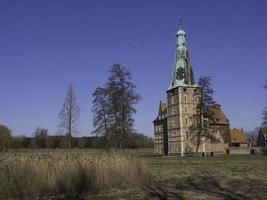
[161, 130]
[238, 138]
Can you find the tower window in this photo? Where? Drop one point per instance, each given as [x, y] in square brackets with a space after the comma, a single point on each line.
[184, 89]
[185, 109]
[185, 98]
[186, 121]
[187, 135]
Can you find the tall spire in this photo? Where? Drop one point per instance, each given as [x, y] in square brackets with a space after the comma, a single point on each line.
[182, 69]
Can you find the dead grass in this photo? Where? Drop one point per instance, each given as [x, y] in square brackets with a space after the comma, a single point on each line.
[134, 174]
[41, 173]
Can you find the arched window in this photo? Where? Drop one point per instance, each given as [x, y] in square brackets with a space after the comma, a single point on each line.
[187, 135]
[185, 98]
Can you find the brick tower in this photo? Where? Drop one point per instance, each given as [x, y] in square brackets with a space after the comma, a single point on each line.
[181, 99]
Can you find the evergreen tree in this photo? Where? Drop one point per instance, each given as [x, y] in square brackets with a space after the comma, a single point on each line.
[113, 105]
[69, 116]
[201, 129]
[264, 117]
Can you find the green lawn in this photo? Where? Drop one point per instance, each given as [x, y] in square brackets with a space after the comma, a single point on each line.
[218, 177]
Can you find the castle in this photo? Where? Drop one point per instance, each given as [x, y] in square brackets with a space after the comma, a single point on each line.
[173, 135]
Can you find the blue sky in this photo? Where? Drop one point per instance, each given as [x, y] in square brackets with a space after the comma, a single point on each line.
[46, 45]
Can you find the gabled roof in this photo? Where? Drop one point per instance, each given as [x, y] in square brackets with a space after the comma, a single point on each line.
[238, 136]
[218, 116]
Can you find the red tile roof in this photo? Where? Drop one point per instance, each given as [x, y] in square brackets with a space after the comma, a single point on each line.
[238, 136]
[218, 116]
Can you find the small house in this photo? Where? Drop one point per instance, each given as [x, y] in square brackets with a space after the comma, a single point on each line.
[238, 138]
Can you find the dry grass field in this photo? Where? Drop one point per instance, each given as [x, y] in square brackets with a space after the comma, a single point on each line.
[133, 174]
[59, 174]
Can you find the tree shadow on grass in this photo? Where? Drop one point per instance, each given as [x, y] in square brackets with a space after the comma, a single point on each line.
[210, 186]
[202, 187]
[163, 193]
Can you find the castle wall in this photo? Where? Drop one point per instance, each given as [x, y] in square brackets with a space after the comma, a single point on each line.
[158, 142]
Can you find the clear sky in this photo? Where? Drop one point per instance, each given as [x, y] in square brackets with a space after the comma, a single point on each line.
[46, 45]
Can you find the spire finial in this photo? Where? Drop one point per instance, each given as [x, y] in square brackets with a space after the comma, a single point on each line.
[180, 22]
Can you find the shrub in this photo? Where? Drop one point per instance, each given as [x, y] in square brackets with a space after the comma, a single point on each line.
[5, 137]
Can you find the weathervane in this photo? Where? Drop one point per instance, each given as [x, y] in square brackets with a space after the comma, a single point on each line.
[180, 21]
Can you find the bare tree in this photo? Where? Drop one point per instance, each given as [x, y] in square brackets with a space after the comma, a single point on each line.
[264, 113]
[69, 116]
[113, 105]
[202, 120]
[40, 136]
[253, 136]
[100, 109]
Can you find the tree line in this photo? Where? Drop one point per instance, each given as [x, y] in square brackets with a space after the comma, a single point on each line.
[41, 139]
[113, 107]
